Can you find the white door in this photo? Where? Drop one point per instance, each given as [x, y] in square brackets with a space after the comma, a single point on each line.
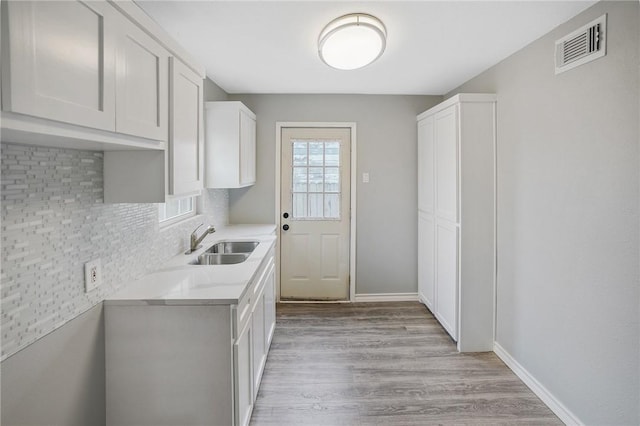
[315, 213]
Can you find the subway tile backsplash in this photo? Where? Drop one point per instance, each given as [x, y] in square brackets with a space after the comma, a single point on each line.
[54, 220]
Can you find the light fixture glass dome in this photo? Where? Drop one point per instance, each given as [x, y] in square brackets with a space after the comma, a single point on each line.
[352, 41]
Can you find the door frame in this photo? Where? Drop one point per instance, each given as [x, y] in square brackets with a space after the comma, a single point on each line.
[353, 181]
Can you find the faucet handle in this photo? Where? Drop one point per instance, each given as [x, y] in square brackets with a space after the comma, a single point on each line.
[197, 227]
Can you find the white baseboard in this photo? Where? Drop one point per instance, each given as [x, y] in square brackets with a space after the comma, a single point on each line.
[543, 393]
[387, 297]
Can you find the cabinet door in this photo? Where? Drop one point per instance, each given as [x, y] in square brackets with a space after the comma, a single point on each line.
[447, 277]
[270, 306]
[258, 344]
[446, 150]
[426, 259]
[60, 63]
[186, 137]
[142, 68]
[243, 375]
[426, 165]
[247, 149]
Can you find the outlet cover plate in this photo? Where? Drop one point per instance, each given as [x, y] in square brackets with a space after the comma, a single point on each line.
[92, 275]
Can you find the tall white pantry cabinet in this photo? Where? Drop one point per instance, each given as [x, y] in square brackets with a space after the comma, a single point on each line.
[456, 217]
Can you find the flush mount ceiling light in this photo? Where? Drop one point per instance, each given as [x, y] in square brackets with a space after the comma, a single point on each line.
[352, 41]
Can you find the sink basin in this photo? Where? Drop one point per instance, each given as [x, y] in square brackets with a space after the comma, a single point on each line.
[233, 247]
[220, 258]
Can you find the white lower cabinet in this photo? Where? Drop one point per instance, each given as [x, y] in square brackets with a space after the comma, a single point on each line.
[263, 323]
[426, 266]
[446, 305]
[242, 369]
[259, 347]
[181, 364]
[269, 307]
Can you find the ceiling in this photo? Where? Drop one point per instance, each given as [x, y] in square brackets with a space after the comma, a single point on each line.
[432, 46]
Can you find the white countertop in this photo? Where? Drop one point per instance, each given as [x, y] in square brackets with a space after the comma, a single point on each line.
[179, 283]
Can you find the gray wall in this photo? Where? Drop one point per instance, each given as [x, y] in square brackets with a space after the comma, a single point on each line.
[213, 92]
[60, 379]
[386, 149]
[568, 289]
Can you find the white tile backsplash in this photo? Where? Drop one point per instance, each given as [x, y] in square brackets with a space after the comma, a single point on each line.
[54, 220]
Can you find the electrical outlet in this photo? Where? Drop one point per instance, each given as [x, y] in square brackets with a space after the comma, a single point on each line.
[92, 275]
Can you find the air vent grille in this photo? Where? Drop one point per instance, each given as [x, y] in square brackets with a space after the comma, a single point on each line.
[581, 46]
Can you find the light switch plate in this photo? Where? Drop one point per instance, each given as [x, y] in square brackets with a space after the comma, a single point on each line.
[365, 177]
[92, 275]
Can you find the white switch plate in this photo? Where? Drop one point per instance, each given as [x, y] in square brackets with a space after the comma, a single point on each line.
[365, 177]
[92, 275]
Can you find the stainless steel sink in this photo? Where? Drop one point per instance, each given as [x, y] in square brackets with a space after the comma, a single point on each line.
[220, 258]
[226, 253]
[233, 247]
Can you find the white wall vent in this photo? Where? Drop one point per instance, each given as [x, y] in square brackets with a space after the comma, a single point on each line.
[581, 46]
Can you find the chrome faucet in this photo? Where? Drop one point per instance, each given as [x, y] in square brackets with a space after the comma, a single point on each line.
[195, 240]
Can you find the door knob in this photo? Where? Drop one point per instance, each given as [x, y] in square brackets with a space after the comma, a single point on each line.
[285, 227]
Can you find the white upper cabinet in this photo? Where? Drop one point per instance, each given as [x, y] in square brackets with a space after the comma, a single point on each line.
[142, 67]
[446, 146]
[426, 164]
[60, 61]
[247, 148]
[186, 141]
[102, 75]
[86, 75]
[230, 145]
[155, 176]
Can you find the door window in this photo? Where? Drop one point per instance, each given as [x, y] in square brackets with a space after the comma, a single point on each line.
[315, 185]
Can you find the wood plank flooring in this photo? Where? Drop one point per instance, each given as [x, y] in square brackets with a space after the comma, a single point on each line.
[366, 364]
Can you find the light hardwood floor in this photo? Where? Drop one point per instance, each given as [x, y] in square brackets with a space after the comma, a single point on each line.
[383, 364]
